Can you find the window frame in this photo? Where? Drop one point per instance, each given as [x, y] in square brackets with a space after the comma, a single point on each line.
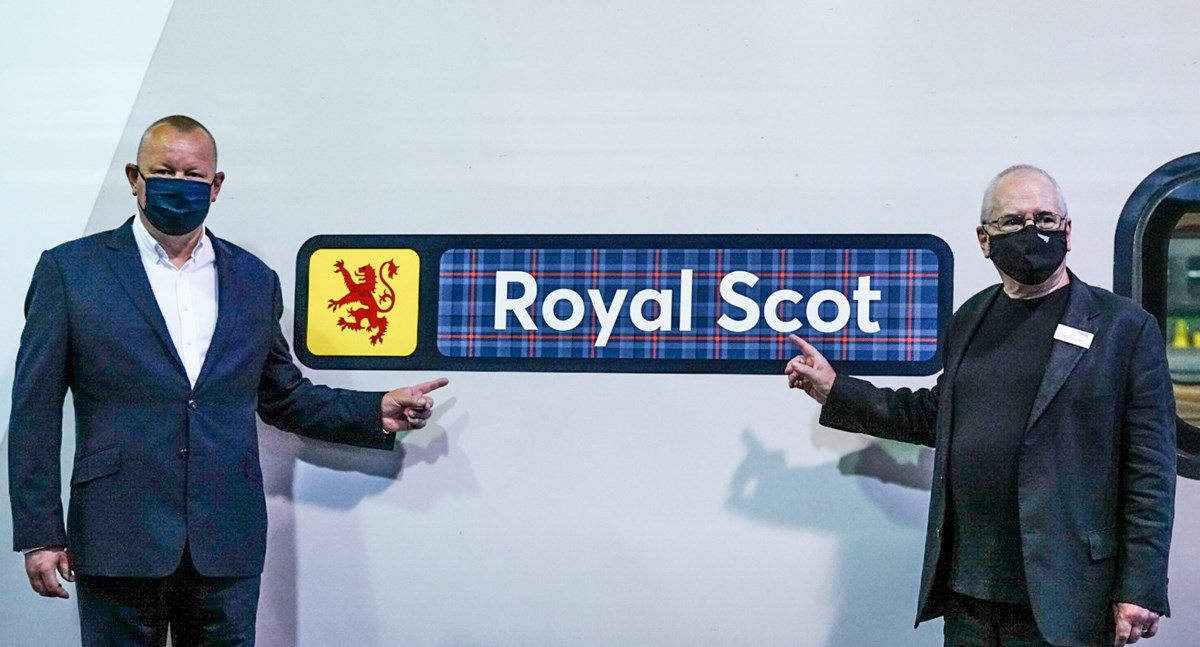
[1141, 243]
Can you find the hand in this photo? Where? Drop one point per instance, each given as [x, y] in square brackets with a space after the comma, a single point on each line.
[1132, 623]
[408, 407]
[40, 567]
[810, 371]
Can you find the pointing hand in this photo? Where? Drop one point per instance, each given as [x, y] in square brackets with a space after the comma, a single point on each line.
[810, 371]
[409, 407]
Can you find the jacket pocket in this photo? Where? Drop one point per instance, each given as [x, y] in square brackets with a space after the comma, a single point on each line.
[105, 462]
[1103, 543]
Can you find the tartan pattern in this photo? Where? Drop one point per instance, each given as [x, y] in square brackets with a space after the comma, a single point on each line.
[907, 313]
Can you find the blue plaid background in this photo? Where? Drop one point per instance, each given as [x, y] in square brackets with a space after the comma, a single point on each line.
[907, 313]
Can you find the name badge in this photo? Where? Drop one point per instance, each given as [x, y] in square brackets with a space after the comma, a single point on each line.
[1074, 336]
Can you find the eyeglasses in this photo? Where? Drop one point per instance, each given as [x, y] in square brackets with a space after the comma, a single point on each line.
[1044, 220]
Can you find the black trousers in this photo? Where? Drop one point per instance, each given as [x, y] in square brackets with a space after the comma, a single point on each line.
[198, 610]
[971, 622]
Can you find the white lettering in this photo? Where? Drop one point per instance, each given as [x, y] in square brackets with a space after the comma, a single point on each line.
[814, 315]
[516, 305]
[606, 316]
[663, 317]
[863, 297]
[638, 315]
[737, 300]
[685, 300]
[771, 311]
[570, 296]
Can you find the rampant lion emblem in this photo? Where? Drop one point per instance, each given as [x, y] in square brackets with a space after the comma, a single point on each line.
[362, 291]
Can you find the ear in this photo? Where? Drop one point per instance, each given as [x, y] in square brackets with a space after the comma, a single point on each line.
[218, 179]
[131, 174]
[1068, 230]
[984, 241]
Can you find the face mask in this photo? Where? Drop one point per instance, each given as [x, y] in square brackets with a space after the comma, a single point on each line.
[174, 206]
[1029, 256]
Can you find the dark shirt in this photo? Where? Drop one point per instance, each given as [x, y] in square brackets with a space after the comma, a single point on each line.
[994, 390]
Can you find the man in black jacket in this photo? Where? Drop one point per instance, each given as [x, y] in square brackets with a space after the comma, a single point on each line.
[1053, 490]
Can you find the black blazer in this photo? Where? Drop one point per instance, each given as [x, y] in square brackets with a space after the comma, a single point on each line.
[157, 463]
[1096, 467]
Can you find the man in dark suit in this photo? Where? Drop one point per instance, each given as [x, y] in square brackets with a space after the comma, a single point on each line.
[169, 340]
[1053, 420]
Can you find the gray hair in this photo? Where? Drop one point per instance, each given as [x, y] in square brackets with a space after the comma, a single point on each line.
[988, 210]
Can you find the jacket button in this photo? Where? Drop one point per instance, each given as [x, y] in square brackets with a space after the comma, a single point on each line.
[192, 404]
[183, 453]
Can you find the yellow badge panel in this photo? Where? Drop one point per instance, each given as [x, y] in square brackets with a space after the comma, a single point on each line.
[363, 302]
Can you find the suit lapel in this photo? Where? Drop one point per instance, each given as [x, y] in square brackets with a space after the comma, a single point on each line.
[970, 322]
[1080, 313]
[955, 350]
[126, 263]
[226, 303]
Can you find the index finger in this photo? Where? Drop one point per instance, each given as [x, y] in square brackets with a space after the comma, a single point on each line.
[804, 346]
[426, 387]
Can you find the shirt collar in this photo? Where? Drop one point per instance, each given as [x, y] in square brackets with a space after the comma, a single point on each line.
[152, 252]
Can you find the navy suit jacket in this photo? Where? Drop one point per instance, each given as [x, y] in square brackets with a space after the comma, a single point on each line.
[158, 464]
[1095, 472]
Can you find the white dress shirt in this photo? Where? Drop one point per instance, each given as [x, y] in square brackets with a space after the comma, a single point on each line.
[187, 296]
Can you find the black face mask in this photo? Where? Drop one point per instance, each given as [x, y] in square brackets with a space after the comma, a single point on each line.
[1029, 256]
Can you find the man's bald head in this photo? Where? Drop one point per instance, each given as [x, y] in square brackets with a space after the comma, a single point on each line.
[991, 204]
[177, 123]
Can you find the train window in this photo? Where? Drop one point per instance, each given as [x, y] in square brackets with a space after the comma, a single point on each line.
[1192, 277]
[1157, 263]
[1183, 315]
